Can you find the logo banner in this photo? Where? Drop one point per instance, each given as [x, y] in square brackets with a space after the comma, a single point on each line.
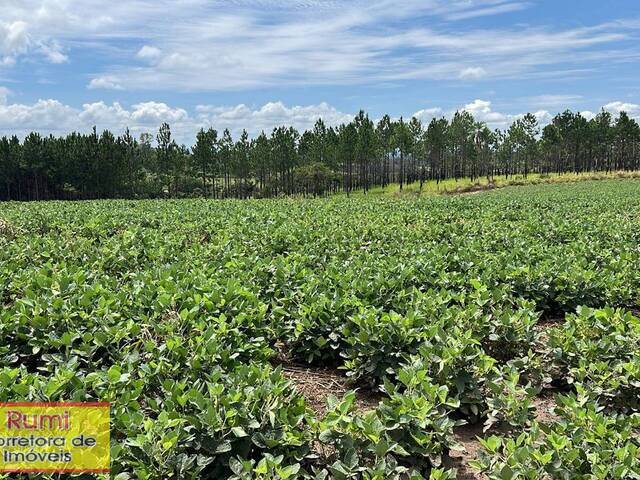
[54, 437]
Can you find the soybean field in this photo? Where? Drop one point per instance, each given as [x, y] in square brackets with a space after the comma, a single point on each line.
[480, 336]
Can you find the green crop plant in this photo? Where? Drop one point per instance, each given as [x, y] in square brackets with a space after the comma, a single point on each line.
[444, 309]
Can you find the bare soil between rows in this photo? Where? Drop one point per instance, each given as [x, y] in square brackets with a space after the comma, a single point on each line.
[316, 384]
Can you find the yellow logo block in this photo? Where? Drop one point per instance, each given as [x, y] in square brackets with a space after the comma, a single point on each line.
[54, 437]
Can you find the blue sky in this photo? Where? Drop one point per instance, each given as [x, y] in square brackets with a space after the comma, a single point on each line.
[69, 64]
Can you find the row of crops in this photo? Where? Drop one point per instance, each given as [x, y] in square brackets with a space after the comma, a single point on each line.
[456, 311]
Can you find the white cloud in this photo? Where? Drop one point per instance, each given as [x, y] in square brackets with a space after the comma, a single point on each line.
[490, 10]
[269, 116]
[425, 115]
[243, 51]
[4, 95]
[557, 100]
[483, 111]
[99, 113]
[472, 73]
[43, 116]
[208, 45]
[57, 57]
[104, 82]
[13, 37]
[616, 107]
[7, 61]
[16, 40]
[53, 53]
[543, 117]
[51, 116]
[154, 113]
[149, 52]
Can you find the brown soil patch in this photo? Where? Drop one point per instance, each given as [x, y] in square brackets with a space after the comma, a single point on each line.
[316, 384]
[467, 436]
[552, 319]
[545, 403]
[543, 327]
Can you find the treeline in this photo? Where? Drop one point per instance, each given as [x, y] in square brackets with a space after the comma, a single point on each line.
[355, 156]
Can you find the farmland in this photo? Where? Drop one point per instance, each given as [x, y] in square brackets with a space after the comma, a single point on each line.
[513, 313]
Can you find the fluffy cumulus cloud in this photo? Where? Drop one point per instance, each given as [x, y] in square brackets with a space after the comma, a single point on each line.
[51, 116]
[425, 115]
[616, 107]
[43, 116]
[99, 113]
[482, 111]
[154, 113]
[271, 115]
[147, 52]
